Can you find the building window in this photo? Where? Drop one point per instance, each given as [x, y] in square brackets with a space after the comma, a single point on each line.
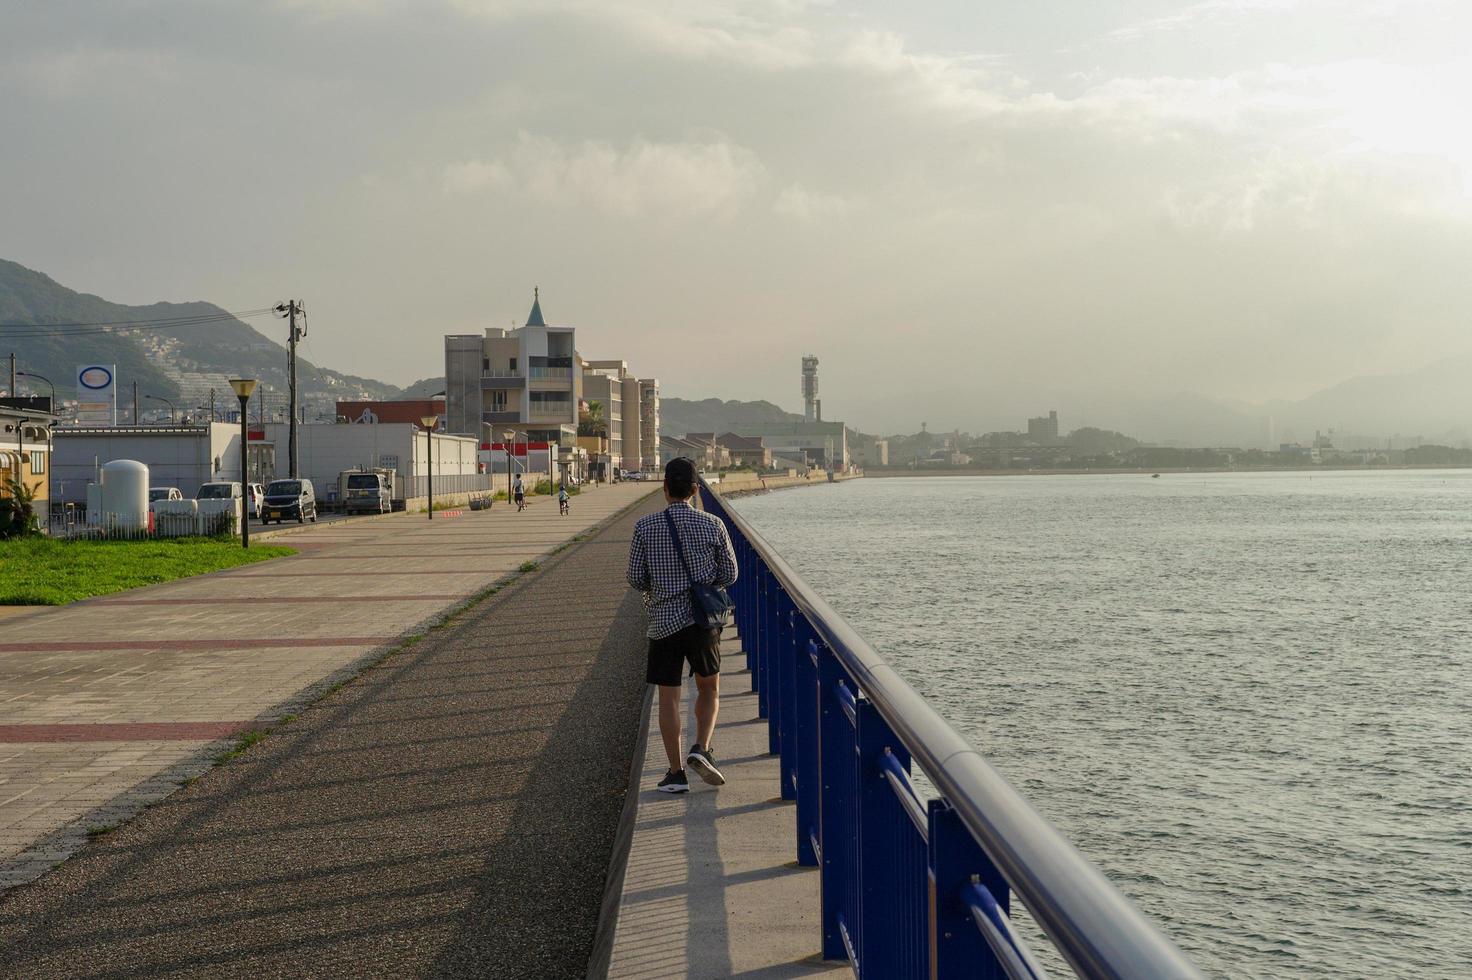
[513, 364]
[485, 363]
[38, 463]
[498, 401]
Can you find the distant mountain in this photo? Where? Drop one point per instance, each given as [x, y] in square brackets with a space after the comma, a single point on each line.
[678, 416]
[182, 362]
[424, 388]
[1434, 401]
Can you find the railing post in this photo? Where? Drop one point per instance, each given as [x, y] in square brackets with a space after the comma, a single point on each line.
[748, 606]
[790, 706]
[957, 947]
[759, 676]
[880, 848]
[806, 713]
[772, 663]
[835, 774]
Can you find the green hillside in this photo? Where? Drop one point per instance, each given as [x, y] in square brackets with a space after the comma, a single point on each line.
[29, 297]
[156, 355]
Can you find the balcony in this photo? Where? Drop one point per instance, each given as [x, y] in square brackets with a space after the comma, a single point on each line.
[553, 373]
[496, 418]
[501, 380]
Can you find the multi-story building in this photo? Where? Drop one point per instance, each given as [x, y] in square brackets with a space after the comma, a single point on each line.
[1043, 430]
[603, 383]
[633, 436]
[25, 448]
[524, 380]
[532, 382]
[649, 424]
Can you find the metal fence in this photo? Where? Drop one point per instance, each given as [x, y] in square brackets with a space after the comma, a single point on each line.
[73, 523]
[913, 887]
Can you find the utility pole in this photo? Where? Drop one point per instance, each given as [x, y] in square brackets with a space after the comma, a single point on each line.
[12, 375]
[135, 403]
[290, 309]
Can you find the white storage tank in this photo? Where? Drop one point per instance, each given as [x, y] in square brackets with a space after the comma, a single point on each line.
[124, 494]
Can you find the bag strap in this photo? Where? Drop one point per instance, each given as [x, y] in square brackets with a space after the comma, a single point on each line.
[669, 519]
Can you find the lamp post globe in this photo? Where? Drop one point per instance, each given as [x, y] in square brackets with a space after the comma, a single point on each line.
[244, 387]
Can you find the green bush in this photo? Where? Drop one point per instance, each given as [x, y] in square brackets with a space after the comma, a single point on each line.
[17, 510]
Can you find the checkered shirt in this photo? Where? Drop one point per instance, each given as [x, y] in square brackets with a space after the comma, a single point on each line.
[656, 571]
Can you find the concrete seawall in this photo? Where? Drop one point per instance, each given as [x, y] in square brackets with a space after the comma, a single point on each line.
[739, 484]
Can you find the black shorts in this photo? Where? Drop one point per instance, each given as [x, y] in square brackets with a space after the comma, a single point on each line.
[668, 654]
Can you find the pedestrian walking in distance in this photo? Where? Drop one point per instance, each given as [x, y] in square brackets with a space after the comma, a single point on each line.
[520, 494]
[658, 570]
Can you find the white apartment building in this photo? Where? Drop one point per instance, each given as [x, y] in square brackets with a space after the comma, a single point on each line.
[524, 380]
[532, 382]
[610, 384]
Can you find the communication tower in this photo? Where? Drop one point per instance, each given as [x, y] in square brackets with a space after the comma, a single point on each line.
[810, 387]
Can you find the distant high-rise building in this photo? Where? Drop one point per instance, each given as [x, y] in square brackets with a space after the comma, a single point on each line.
[649, 423]
[810, 388]
[1043, 430]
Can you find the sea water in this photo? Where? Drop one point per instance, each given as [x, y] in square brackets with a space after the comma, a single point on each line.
[1246, 696]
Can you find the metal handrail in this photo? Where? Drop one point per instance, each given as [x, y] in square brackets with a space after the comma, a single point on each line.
[1096, 929]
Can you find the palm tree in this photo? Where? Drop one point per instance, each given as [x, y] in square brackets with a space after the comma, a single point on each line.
[592, 422]
[17, 508]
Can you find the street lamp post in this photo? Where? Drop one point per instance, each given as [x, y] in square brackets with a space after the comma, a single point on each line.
[38, 377]
[507, 436]
[173, 415]
[243, 388]
[429, 422]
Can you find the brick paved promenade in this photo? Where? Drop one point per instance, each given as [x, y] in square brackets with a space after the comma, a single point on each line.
[108, 703]
[450, 812]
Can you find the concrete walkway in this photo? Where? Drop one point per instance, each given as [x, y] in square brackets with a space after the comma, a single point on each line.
[712, 888]
[106, 705]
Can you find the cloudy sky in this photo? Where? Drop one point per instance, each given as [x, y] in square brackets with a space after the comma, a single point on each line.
[963, 208]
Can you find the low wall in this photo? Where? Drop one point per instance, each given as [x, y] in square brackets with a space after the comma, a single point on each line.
[737, 484]
[443, 500]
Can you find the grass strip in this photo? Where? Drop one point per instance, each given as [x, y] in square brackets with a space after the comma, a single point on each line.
[50, 572]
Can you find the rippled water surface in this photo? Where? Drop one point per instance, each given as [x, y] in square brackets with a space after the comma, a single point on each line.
[1248, 697]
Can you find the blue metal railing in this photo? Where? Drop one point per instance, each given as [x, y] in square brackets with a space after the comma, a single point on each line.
[912, 888]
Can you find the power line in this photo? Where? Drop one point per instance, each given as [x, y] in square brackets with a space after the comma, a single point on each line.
[32, 329]
[153, 321]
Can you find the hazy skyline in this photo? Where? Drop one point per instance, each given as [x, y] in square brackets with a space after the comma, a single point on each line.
[964, 212]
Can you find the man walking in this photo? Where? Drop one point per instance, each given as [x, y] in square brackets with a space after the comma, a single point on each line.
[656, 570]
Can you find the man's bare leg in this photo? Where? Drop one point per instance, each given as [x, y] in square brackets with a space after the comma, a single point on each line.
[707, 703]
[669, 725]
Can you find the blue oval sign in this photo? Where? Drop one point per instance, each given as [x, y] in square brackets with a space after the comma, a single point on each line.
[96, 378]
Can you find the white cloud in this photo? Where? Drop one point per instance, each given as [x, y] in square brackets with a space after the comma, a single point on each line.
[801, 204]
[477, 176]
[1204, 14]
[86, 69]
[757, 35]
[698, 177]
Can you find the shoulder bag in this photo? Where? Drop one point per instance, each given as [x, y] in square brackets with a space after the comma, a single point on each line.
[711, 606]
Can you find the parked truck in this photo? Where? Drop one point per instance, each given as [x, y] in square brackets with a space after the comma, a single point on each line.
[369, 491]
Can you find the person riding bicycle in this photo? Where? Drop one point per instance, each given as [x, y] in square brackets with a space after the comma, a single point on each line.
[563, 507]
